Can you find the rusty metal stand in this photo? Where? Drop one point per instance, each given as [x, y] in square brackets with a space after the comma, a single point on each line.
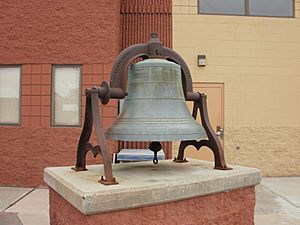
[213, 142]
[115, 89]
[92, 117]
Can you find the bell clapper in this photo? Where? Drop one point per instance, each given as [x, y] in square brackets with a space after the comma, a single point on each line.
[155, 160]
[155, 147]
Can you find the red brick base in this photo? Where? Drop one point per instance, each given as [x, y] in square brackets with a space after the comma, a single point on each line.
[227, 208]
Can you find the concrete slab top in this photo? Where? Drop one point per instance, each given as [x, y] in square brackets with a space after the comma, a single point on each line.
[143, 183]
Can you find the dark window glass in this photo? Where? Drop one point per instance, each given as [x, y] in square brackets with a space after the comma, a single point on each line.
[271, 7]
[234, 7]
[276, 8]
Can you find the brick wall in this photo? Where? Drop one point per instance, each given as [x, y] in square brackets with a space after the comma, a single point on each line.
[95, 74]
[227, 208]
[36, 93]
[27, 150]
[37, 34]
[139, 18]
[70, 31]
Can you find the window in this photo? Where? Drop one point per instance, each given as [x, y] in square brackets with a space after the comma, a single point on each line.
[277, 8]
[10, 84]
[66, 96]
[271, 7]
[233, 7]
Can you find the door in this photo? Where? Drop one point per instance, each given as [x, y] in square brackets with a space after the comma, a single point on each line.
[215, 105]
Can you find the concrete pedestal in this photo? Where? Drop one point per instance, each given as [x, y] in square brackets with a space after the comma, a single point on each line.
[168, 193]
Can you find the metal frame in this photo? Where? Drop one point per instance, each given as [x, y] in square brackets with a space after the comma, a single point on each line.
[19, 123]
[116, 89]
[246, 12]
[53, 94]
[213, 141]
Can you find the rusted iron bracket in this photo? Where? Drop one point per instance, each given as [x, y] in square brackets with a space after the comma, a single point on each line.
[83, 144]
[153, 49]
[213, 141]
[92, 117]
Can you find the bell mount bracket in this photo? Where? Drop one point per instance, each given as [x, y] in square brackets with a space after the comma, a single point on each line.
[115, 89]
[213, 141]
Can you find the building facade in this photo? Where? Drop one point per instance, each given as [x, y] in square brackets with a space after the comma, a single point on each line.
[51, 51]
[255, 55]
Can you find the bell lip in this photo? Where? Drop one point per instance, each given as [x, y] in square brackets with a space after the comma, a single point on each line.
[156, 137]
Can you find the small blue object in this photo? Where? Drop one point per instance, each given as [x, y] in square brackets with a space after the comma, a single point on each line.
[139, 155]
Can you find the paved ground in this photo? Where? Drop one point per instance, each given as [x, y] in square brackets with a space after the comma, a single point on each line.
[278, 203]
[31, 205]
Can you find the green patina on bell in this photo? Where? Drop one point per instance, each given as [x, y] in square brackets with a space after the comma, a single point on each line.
[155, 108]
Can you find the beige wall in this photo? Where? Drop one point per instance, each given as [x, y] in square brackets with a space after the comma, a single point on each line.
[258, 59]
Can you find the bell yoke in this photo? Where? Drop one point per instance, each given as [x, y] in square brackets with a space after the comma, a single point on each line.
[154, 108]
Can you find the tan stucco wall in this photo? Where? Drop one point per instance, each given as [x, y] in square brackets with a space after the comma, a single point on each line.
[258, 59]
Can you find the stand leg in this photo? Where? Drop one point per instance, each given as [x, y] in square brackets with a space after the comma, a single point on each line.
[107, 162]
[213, 142]
[92, 115]
[83, 145]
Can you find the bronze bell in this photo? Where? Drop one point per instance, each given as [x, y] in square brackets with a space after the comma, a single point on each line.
[155, 108]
